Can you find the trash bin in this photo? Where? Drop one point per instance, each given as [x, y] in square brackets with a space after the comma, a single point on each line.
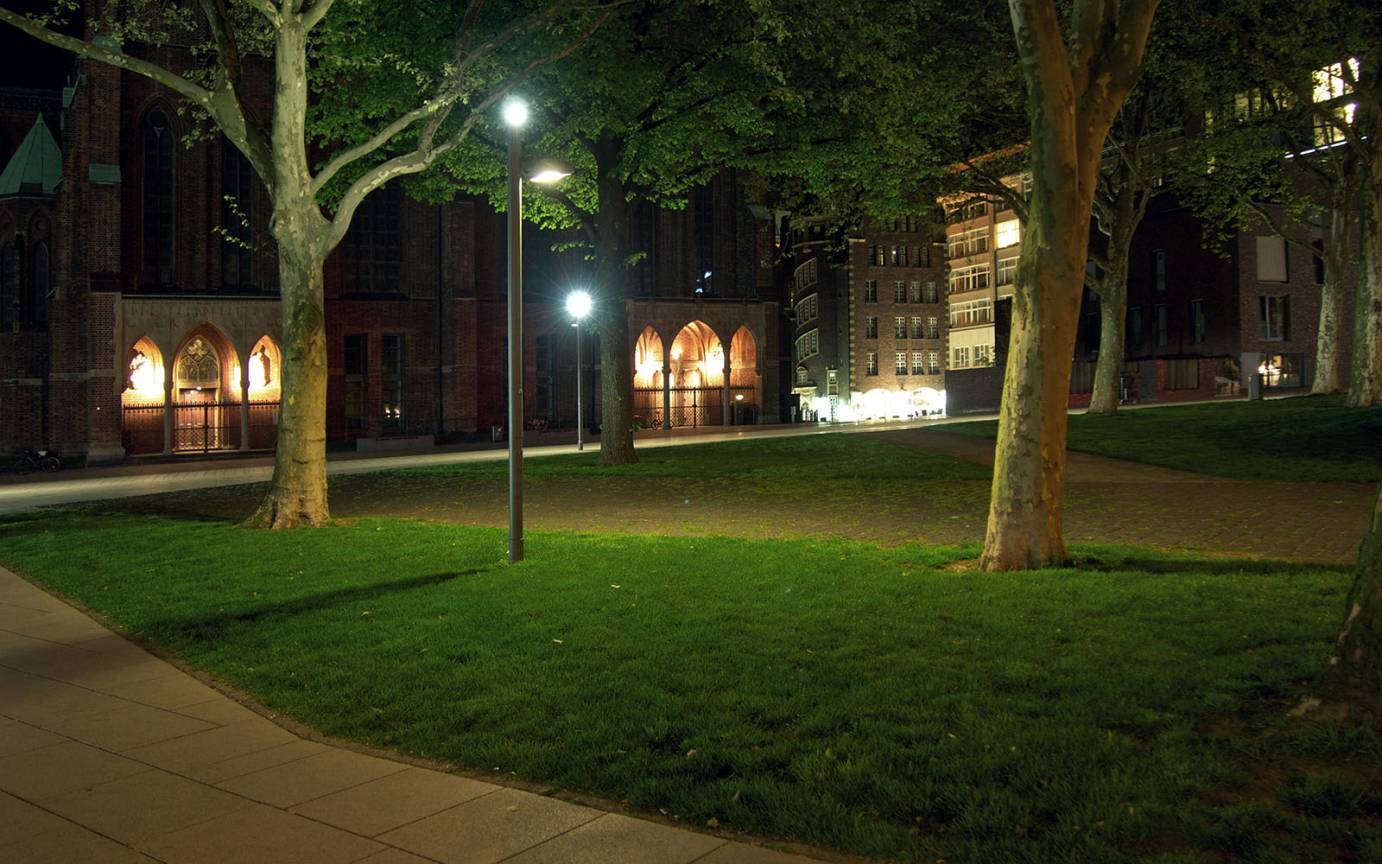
[1255, 385]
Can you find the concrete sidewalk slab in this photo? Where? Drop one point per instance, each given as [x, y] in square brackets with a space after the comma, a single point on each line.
[109, 755]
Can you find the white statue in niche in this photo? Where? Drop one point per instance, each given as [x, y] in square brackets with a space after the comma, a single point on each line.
[261, 369]
[143, 376]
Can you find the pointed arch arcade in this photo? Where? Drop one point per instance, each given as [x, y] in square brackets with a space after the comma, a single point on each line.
[649, 380]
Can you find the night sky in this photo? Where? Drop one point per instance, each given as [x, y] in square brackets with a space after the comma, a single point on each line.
[28, 62]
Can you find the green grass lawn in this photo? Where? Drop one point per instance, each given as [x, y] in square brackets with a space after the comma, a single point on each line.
[1305, 439]
[874, 700]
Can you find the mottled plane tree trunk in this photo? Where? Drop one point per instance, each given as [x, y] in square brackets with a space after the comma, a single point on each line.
[1365, 387]
[1329, 355]
[1120, 202]
[1352, 683]
[1075, 89]
[280, 151]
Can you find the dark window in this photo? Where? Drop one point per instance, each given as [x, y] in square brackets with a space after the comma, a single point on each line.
[1181, 374]
[705, 237]
[391, 380]
[34, 310]
[644, 214]
[356, 375]
[9, 286]
[158, 200]
[1134, 338]
[1162, 337]
[1274, 317]
[1197, 320]
[880, 253]
[372, 243]
[871, 327]
[870, 291]
[1159, 269]
[237, 215]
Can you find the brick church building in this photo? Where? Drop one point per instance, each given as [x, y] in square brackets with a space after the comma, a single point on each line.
[139, 310]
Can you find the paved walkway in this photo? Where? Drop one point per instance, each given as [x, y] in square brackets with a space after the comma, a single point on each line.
[109, 755]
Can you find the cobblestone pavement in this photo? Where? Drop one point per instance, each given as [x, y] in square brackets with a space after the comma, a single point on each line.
[109, 755]
[1107, 501]
[1112, 500]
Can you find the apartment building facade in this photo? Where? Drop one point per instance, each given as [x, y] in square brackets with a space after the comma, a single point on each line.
[868, 321]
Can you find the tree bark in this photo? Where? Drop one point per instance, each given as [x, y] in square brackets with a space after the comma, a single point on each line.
[297, 494]
[616, 361]
[1074, 91]
[1328, 368]
[1365, 386]
[1113, 315]
[1352, 684]
[1024, 524]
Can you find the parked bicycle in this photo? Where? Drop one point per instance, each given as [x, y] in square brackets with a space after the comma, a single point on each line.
[36, 460]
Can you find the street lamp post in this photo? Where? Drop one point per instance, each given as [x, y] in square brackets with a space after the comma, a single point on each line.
[578, 305]
[515, 112]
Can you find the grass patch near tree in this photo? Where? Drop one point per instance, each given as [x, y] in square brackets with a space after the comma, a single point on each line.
[1307, 439]
[876, 700]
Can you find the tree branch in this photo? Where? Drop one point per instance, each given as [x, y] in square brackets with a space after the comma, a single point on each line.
[313, 16]
[365, 148]
[188, 90]
[268, 9]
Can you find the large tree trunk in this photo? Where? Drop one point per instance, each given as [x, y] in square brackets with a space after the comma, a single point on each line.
[616, 360]
[616, 388]
[297, 494]
[1328, 354]
[1113, 314]
[1118, 219]
[1024, 522]
[1353, 682]
[1075, 89]
[1365, 386]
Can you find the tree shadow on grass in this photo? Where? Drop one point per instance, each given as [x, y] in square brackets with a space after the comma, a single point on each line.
[211, 627]
[1189, 563]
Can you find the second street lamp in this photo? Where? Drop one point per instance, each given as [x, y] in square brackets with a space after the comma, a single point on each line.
[578, 305]
[515, 113]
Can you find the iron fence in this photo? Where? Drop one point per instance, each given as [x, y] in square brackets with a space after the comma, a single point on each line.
[199, 428]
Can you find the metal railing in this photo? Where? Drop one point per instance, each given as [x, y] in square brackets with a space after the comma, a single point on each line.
[198, 428]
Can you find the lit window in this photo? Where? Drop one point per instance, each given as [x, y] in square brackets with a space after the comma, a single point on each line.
[901, 365]
[1007, 234]
[871, 363]
[900, 327]
[1271, 259]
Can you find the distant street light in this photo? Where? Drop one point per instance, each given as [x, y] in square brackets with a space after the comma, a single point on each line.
[578, 305]
[515, 113]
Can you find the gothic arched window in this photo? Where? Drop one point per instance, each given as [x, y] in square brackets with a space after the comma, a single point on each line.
[34, 308]
[372, 244]
[237, 217]
[158, 199]
[9, 285]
